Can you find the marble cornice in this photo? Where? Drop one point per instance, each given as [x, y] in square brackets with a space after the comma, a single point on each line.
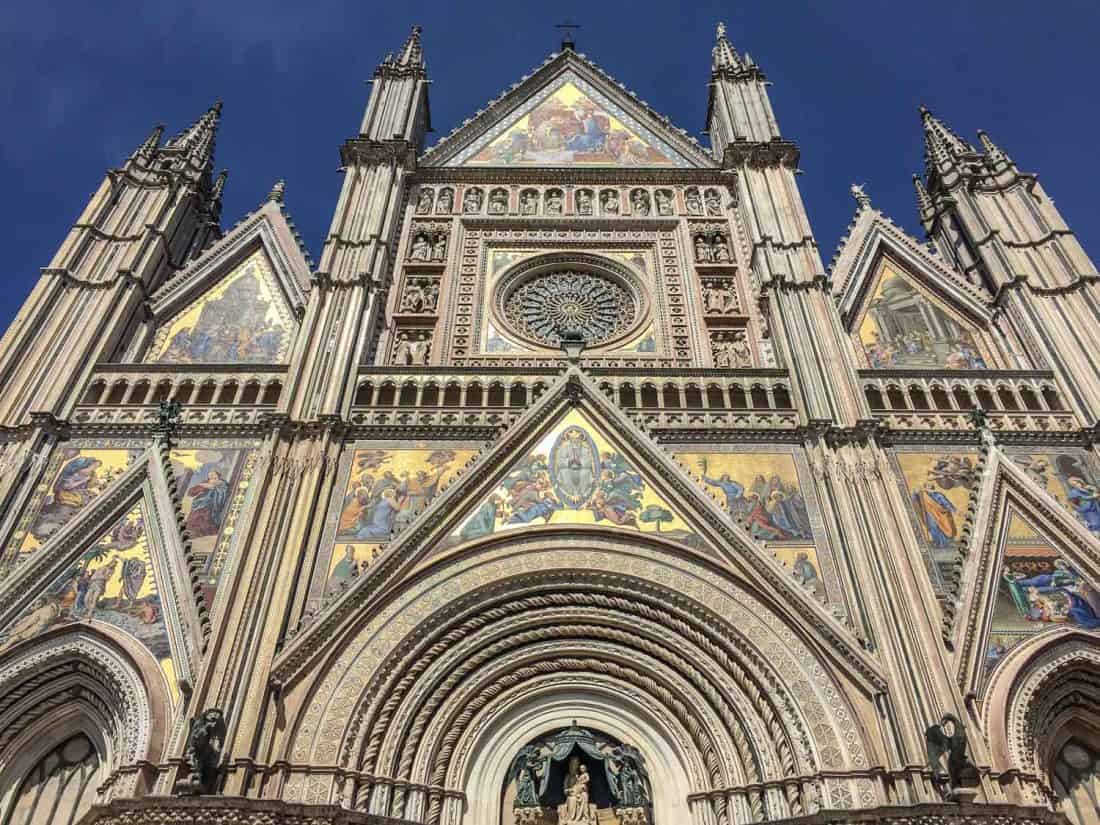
[362, 151]
[761, 154]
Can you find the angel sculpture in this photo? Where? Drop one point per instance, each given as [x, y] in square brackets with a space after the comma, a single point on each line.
[525, 771]
[630, 781]
[204, 749]
[951, 769]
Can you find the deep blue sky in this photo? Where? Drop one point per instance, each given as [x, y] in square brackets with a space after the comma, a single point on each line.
[82, 83]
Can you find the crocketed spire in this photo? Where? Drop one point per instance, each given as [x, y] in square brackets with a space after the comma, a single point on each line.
[941, 144]
[992, 151]
[723, 55]
[197, 140]
[924, 200]
[412, 54]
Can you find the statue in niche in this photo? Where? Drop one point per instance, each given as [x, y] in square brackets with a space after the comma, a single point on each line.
[446, 203]
[418, 350]
[952, 771]
[424, 202]
[498, 202]
[704, 254]
[421, 248]
[529, 202]
[721, 249]
[731, 352]
[664, 201]
[630, 778]
[577, 810]
[639, 202]
[584, 201]
[420, 295]
[553, 202]
[693, 202]
[609, 202]
[471, 201]
[439, 247]
[714, 202]
[431, 296]
[719, 298]
[526, 771]
[401, 349]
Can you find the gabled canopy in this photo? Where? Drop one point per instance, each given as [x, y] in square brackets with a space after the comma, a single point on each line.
[568, 112]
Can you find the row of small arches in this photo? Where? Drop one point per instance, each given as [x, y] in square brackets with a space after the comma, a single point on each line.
[1003, 398]
[187, 391]
[646, 395]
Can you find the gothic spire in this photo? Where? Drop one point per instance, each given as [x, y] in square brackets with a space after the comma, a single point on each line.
[941, 144]
[219, 186]
[992, 151]
[151, 143]
[411, 55]
[197, 140]
[723, 55]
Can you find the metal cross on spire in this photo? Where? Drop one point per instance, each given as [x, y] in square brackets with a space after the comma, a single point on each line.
[567, 35]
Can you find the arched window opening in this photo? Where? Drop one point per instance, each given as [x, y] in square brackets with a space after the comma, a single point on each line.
[206, 393]
[430, 397]
[782, 398]
[163, 391]
[962, 399]
[139, 393]
[759, 398]
[985, 398]
[896, 398]
[452, 395]
[940, 400]
[228, 393]
[94, 393]
[251, 393]
[1050, 396]
[649, 397]
[918, 399]
[272, 392]
[117, 394]
[496, 395]
[874, 398]
[738, 399]
[473, 395]
[671, 396]
[183, 392]
[1075, 778]
[60, 787]
[1008, 400]
[518, 396]
[626, 396]
[714, 397]
[694, 397]
[407, 397]
[1030, 399]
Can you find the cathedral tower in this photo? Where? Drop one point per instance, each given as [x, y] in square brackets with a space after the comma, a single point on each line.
[570, 487]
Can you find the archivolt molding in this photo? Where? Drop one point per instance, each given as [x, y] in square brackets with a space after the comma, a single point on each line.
[114, 679]
[750, 674]
[1044, 685]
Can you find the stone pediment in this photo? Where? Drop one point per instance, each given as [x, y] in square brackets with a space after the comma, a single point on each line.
[568, 112]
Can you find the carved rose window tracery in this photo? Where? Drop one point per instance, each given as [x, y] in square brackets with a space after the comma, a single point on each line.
[588, 304]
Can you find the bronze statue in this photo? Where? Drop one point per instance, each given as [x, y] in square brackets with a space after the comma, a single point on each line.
[205, 741]
[952, 770]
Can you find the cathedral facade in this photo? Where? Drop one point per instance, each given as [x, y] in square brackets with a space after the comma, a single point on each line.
[570, 487]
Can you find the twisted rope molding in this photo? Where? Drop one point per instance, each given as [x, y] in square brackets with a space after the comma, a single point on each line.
[636, 605]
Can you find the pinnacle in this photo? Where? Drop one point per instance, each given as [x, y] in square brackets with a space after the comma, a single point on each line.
[198, 138]
[412, 53]
[278, 191]
[723, 55]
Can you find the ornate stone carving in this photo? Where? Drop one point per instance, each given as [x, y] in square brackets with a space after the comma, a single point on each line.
[693, 201]
[554, 202]
[412, 348]
[720, 297]
[639, 202]
[471, 201]
[428, 242]
[445, 205]
[552, 304]
[609, 202]
[203, 756]
[713, 200]
[952, 770]
[420, 295]
[424, 201]
[664, 201]
[583, 200]
[711, 246]
[498, 202]
[730, 349]
[529, 202]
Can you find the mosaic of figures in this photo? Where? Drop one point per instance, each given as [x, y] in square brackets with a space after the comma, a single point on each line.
[636, 202]
[114, 582]
[74, 477]
[938, 486]
[1037, 589]
[213, 484]
[1071, 478]
[573, 476]
[386, 489]
[498, 342]
[243, 319]
[903, 328]
[761, 489]
[569, 127]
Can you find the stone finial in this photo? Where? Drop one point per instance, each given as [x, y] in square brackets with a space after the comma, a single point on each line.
[151, 143]
[197, 140]
[412, 53]
[992, 151]
[860, 194]
[219, 185]
[278, 191]
[924, 200]
[723, 55]
[941, 144]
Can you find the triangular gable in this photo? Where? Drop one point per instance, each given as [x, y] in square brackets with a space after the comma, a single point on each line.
[568, 112]
[574, 475]
[1030, 567]
[857, 263]
[132, 576]
[239, 302]
[725, 542]
[902, 324]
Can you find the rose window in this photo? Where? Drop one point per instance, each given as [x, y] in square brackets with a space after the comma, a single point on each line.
[561, 304]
